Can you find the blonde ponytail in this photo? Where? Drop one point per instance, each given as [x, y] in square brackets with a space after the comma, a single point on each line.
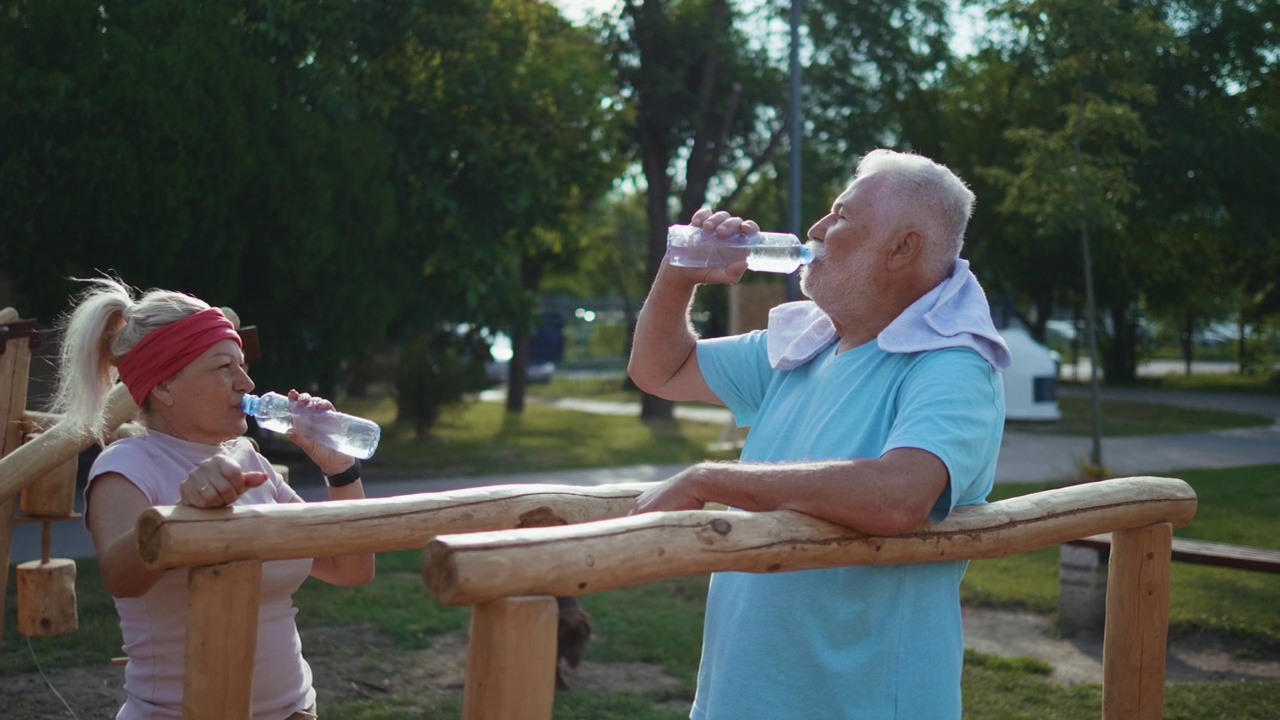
[106, 323]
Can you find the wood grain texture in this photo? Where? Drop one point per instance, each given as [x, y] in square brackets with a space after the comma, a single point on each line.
[177, 536]
[595, 556]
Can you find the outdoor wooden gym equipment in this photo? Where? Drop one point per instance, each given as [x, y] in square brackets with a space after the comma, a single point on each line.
[509, 550]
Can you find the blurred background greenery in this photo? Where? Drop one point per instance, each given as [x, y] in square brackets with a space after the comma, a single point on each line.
[383, 188]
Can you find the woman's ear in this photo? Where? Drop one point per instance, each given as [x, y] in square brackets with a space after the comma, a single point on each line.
[904, 250]
[163, 394]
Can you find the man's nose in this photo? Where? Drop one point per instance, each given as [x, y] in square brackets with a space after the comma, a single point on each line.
[819, 229]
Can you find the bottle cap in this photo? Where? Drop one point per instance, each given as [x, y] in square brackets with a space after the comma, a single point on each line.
[249, 404]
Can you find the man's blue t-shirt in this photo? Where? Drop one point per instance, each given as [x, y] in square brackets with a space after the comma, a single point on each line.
[864, 643]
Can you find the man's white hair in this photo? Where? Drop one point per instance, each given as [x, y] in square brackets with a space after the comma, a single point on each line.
[918, 191]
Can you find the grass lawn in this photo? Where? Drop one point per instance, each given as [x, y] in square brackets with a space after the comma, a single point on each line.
[1120, 419]
[480, 438]
[1124, 419]
[1238, 506]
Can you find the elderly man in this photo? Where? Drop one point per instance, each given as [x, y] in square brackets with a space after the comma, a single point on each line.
[878, 405]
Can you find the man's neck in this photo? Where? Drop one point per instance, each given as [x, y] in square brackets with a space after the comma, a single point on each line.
[859, 327]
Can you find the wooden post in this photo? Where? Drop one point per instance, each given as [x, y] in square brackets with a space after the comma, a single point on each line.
[511, 660]
[15, 366]
[1133, 648]
[53, 495]
[222, 637]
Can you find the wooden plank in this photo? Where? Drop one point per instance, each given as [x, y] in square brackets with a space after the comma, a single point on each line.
[1206, 552]
[222, 637]
[1133, 645]
[511, 660]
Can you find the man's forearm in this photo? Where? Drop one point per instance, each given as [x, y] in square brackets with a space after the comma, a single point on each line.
[882, 496]
[664, 337]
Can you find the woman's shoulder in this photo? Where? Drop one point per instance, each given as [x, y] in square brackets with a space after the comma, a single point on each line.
[135, 446]
[245, 452]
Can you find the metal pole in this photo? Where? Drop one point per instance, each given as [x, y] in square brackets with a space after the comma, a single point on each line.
[796, 134]
[1095, 455]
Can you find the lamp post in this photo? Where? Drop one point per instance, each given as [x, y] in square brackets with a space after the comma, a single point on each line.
[796, 132]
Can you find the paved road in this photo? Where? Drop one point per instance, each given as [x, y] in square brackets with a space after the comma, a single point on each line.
[1024, 457]
[1035, 457]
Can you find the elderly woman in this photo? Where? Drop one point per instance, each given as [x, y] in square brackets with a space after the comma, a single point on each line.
[183, 364]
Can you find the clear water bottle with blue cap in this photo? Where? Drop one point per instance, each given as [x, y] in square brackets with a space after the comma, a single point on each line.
[694, 247]
[347, 434]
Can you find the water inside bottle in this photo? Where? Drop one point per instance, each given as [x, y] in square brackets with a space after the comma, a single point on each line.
[775, 259]
[706, 255]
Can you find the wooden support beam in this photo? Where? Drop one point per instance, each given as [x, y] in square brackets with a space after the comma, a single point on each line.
[222, 637]
[511, 660]
[590, 557]
[178, 536]
[15, 367]
[1133, 647]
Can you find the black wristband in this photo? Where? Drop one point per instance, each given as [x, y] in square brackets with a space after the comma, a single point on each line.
[346, 477]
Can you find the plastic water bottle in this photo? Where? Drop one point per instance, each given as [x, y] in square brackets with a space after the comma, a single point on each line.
[691, 246]
[347, 434]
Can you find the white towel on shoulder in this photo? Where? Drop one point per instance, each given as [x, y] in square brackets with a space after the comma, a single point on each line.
[953, 314]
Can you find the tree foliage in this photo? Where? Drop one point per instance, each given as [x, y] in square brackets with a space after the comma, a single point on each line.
[1165, 100]
[340, 173]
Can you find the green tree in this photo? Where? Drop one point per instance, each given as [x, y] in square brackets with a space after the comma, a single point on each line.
[1213, 221]
[122, 151]
[1074, 170]
[699, 92]
[1174, 142]
[348, 173]
[508, 110]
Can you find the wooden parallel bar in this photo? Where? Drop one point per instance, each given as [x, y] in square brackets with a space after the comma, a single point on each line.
[177, 536]
[590, 557]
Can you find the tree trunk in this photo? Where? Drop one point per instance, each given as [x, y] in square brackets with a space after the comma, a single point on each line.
[655, 159]
[657, 141]
[518, 370]
[1188, 340]
[1121, 365]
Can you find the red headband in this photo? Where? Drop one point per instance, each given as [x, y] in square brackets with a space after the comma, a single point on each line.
[165, 351]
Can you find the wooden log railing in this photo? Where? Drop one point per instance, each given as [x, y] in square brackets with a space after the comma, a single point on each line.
[56, 444]
[224, 550]
[510, 576]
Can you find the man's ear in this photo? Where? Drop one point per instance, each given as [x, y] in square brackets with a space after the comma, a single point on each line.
[905, 250]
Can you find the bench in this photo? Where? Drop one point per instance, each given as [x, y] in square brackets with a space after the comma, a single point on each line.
[1083, 566]
[1204, 552]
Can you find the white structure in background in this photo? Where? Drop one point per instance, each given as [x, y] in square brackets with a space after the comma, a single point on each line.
[1031, 382]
